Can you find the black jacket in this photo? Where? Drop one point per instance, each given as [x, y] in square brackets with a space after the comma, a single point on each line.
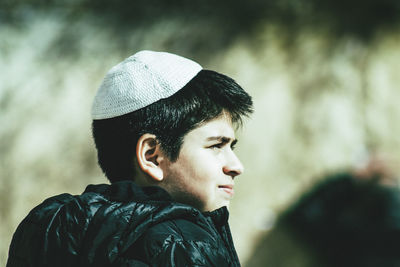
[121, 225]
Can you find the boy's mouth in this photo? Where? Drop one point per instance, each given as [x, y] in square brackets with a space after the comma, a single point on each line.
[228, 188]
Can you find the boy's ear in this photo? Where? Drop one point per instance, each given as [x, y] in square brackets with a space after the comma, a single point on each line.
[149, 156]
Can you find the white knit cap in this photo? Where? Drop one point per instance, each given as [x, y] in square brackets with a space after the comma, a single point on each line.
[141, 80]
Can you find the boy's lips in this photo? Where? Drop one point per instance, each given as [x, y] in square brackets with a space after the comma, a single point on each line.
[228, 188]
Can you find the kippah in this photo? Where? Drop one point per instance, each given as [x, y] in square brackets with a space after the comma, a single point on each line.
[141, 80]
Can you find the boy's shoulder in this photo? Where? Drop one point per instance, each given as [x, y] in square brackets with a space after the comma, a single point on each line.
[97, 227]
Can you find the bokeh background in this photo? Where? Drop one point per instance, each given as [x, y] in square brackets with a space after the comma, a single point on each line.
[324, 76]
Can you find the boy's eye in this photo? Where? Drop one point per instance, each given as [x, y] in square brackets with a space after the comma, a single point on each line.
[219, 145]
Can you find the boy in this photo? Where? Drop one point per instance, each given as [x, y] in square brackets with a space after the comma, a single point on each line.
[163, 129]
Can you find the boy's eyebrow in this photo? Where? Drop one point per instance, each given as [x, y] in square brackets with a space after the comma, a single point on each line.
[222, 139]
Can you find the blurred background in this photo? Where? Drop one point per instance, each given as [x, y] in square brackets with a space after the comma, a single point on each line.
[324, 76]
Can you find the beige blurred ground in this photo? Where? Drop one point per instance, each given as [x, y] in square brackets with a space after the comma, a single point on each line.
[321, 104]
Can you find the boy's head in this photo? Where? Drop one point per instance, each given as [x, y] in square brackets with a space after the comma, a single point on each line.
[344, 220]
[151, 114]
[348, 220]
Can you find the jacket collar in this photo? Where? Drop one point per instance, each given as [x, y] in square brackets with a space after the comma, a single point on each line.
[219, 217]
[125, 191]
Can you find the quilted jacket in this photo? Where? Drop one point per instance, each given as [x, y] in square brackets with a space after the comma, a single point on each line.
[121, 225]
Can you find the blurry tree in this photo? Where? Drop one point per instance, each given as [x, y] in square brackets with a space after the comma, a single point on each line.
[221, 21]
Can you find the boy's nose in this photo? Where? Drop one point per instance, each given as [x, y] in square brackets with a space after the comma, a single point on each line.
[233, 167]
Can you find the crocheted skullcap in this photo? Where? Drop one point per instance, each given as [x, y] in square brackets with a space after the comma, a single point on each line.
[141, 80]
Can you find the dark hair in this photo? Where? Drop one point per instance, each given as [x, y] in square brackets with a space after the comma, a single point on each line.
[347, 221]
[205, 97]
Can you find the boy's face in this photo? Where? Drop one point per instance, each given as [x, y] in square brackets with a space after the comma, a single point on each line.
[203, 174]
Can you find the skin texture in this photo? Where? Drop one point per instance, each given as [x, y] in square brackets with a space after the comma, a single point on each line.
[203, 175]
